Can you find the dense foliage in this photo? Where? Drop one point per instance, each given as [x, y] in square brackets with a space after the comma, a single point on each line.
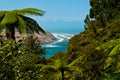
[95, 52]
[20, 60]
[91, 55]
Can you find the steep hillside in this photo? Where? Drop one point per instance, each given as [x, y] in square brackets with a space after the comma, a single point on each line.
[44, 38]
[95, 53]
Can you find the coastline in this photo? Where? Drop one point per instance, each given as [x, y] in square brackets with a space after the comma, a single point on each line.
[60, 44]
[44, 38]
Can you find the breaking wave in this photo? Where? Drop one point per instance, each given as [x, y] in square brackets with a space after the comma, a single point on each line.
[61, 37]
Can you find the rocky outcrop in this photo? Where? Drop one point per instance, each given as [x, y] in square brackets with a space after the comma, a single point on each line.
[44, 38]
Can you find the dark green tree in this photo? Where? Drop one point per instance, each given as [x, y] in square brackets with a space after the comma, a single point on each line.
[102, 25]
[104, 10]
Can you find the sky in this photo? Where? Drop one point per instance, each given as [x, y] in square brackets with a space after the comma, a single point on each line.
[62, 11]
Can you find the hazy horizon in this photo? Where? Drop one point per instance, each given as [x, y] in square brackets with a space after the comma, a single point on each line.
[59, 13]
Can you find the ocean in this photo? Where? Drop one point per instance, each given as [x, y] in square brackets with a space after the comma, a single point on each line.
[59, 45]
[63, 31]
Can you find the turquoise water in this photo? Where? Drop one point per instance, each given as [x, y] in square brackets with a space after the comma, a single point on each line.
[59, 45]
[63, 32]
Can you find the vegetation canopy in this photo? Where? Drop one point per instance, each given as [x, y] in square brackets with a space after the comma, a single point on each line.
[93, 54]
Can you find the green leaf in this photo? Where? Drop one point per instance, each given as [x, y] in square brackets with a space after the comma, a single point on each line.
[115, 51]
[9, 18]
[22, 27]
[108, 62]
[109, 45]
[31, 11]
[60, 63]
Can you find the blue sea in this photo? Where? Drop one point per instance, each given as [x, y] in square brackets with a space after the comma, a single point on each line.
[63, 31]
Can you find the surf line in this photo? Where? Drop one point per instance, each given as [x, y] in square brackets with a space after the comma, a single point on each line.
[60, 37]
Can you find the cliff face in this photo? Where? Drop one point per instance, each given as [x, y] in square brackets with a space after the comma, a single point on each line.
[44, 38]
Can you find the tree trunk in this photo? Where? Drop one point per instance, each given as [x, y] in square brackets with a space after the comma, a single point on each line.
[10, 32]
[62, 73]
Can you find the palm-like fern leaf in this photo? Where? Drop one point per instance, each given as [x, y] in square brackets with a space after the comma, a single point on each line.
[1, 15]
[22, 26]
[109, 45]
[31, 11]
[9, 18]
[113, 51]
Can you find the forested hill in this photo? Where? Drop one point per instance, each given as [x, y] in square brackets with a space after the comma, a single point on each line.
[102, 24]
[96, 52]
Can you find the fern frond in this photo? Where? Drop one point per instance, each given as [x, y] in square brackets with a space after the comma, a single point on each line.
[22, 25]
[115, 51]
[1, 16]
[108, 45]
[30, 11]
[47, 68]
[9, 18]
[60, 64]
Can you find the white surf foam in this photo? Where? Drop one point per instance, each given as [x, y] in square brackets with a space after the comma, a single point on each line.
[60, 38]
[51, 45]
[63, 35]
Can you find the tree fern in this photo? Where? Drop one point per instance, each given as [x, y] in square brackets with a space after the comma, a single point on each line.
[111, 62]
[17, 19]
